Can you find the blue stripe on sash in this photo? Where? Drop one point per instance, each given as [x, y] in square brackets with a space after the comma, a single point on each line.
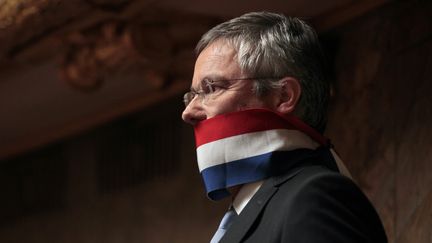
[220, 177]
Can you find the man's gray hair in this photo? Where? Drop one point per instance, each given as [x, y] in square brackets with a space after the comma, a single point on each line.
[274, 46]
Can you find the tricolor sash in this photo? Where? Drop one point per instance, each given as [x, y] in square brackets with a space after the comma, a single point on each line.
[252, 145]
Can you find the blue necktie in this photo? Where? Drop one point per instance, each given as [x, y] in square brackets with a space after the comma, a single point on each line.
[225, 223]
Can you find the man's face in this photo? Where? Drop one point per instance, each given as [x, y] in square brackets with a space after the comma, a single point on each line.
[218, 63]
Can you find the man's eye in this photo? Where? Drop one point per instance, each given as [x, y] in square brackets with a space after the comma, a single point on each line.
[208, 86]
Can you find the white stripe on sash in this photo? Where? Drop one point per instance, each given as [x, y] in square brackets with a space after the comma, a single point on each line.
[251, 144]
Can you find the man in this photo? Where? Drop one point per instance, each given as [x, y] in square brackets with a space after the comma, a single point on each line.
[258, 105]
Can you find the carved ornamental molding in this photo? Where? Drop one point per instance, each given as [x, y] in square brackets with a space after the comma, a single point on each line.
[159, 49]
[96, 39]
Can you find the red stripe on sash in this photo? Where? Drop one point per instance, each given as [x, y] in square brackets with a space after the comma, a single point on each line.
[249, 121]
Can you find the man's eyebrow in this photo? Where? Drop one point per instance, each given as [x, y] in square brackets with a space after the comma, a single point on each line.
[211, 77]
[214, 77]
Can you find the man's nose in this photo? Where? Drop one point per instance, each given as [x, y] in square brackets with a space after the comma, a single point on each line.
[194, 112]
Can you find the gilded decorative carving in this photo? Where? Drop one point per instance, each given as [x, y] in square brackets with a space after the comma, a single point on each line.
[96, 39]
[151, 48]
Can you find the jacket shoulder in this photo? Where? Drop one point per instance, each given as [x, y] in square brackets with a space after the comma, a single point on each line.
[320, 205]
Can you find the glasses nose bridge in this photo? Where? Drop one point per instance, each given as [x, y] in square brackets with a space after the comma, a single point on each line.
[194, 111]
[189, 98]
[192, 96]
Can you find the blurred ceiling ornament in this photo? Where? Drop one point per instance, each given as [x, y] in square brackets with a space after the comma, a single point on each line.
[15, 12]
[160, 51]
[109, 5]
[94, 52]
[120, 38]
[114, 47]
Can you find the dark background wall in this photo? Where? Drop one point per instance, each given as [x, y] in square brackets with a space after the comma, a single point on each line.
[133, 180]
[136, 180]
[381, 116]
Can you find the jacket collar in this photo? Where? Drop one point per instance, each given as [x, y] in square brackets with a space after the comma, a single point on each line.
[248, 216]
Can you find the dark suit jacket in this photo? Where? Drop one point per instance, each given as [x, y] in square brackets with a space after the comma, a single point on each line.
[308, 204]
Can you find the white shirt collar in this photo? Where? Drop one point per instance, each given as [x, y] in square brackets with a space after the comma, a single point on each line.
[245, 194]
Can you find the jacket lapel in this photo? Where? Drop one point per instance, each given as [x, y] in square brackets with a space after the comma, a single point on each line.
[304, 158]
[248, 216]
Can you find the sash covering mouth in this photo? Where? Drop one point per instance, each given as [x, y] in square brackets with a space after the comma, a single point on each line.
[251, 145]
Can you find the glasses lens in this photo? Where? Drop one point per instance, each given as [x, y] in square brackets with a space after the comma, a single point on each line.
[187, 98]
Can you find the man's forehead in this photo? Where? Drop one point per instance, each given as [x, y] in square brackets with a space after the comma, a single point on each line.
[216, 60]
[218, 52]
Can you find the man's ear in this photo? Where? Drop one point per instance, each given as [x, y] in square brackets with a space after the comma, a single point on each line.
[289, 95]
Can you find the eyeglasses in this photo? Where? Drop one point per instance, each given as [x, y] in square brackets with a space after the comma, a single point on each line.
[211, 87]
